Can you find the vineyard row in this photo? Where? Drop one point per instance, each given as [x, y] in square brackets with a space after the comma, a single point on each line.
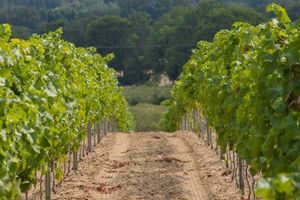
[51, 92]
[246, 85]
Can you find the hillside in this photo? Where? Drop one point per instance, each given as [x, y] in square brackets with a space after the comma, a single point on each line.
[145, 36]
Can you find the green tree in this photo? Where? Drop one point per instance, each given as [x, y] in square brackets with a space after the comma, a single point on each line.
[135, 68]
[110, 35]
[155, 8]
[162, 38]
[180, 29]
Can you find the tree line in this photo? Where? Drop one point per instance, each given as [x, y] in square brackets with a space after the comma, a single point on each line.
[147, 37]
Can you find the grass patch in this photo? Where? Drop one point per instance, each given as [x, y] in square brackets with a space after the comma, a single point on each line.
[147, 116]
[150, 94]
[144, 101]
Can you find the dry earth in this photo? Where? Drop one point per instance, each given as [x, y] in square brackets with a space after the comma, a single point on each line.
[150, 166]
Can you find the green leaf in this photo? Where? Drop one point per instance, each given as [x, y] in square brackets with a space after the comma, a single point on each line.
[25, 186]
[287, 121]
[277, 103]
[280, 12]
[264, 189]
[3, 135]
[5, 32]
[2, 107]
[51, 90]
[285, 185]
[13, 164]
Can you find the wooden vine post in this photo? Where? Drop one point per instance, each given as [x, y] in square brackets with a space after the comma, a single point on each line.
[48, 184]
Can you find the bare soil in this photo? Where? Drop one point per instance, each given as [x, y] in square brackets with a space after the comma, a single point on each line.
[150, 166]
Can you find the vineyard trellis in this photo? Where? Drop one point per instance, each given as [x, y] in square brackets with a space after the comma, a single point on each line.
[52, 96]
[245, 84]
[46, 184]
[238, 169]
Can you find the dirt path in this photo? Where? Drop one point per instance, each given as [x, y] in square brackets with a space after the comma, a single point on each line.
[154, 166]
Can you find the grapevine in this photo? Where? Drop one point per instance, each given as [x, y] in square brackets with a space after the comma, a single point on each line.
[246, 83]
[49, 91]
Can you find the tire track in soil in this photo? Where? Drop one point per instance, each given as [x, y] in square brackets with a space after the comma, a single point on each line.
[150, 166]
[157, 175]
[212, 171]
[108, 180]
[192, 179]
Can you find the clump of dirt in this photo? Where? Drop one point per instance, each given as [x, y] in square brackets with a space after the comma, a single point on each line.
[106, 189]
[156, 137]
[170, 159]
[114, 164]
[226, 172]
